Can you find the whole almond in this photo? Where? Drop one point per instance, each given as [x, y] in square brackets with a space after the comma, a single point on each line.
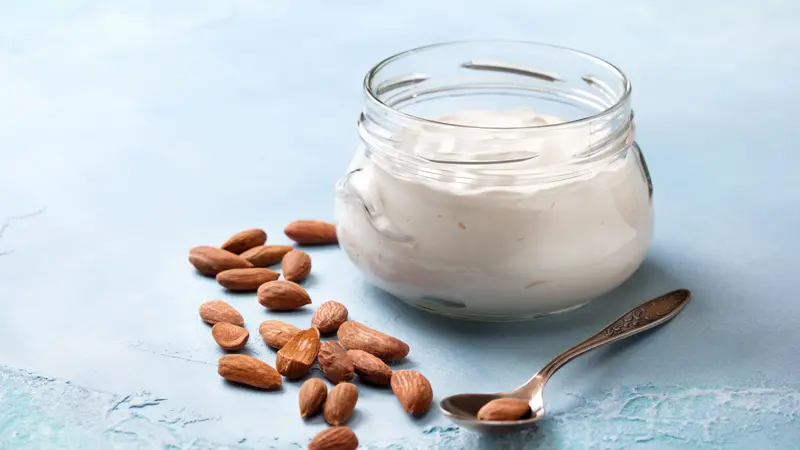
[216, 311]
[296, 265]
[266, 255]
[357, 336]
[370, 368]
[311, 232]
[230, 337]
[340, 403]
[245, 240]
[334, 438]
[276, 333]
[503, 409]
[282, 295]
[211, 260]
[329, 317]
[413, 390]
[246, 279]
[335, 362]
[295, 359]
[312, 396]
[247, 370]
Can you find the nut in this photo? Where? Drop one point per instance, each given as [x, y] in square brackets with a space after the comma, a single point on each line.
[282, 295]
[294, 359]
[211, 260]
[247, 370]
[335, 362]
[334, 438]
[230, 337]
[311, 232]
[245, 279]
[216, 311]
[503, 409]
[340, 403]
[356, 336]
[266, 255]
[312, 396]
[329, 317]
[296, 265]
[245, 240]
[370, 368]
[413, 390]
[276, 333]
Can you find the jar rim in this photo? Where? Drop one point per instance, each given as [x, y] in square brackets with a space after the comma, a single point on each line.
[618, 104]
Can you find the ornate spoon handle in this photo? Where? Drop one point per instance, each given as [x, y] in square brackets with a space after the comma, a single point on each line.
[645, 316]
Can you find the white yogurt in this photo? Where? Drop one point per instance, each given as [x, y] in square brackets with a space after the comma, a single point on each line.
[505, 251]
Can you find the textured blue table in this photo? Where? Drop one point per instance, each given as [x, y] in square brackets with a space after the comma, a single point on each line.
[133, 130]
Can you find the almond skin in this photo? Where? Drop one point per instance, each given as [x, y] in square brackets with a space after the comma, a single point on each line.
[246, 279]
[216, 311]
[247, 370]
[211, 260]
[311, 232]
[329, 317]
[276, 333]
[340, 403]
[370, 368]
[296, 265]
[503, 409]
[282, 295]
[413, 390]
[230, 337]
[357, 336]
[266, 255]
[312, 396]
[245, 240]
[335, 362]
[295, 359]
[334, 438]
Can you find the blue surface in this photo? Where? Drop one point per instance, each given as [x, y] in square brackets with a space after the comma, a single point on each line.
[133, 130]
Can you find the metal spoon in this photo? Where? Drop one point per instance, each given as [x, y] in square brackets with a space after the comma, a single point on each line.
[463, 408]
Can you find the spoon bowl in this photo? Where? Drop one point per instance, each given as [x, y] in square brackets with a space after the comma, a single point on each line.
[463, 409]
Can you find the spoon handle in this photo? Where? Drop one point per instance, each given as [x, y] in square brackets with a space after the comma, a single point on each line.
[645, 316]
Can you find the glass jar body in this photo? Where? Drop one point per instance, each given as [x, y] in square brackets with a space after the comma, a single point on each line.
[536, 220]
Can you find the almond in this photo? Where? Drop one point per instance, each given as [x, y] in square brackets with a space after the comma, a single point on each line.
[335, 362]
[340, 403]
[296, 265]
[216, 311]
[245, 240]
[266, 255]
[329, 317]
[370, 368]
[413, 390]
[246, 279]
[276, 333]
[229, 337]
[334, 438]
[282, 295]
[311, 232]
[247, 370]
[503, 409]
[356, 336]
[294, 360]
[211, 260]
[312, 396]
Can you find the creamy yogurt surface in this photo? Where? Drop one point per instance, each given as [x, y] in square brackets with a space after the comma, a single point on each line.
[507, 250]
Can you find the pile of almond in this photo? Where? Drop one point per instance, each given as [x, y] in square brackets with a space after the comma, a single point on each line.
[240, 264]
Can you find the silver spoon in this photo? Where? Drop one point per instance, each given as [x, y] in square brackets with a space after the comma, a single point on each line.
[463, 408]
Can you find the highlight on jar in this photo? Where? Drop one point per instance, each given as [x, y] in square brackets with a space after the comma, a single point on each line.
[496, 180]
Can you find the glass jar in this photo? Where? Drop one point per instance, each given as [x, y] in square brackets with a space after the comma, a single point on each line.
[496, 180]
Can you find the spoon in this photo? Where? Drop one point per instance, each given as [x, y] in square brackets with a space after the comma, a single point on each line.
[463, 408]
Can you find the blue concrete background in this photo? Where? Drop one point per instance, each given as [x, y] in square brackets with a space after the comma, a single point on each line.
[133, 130]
